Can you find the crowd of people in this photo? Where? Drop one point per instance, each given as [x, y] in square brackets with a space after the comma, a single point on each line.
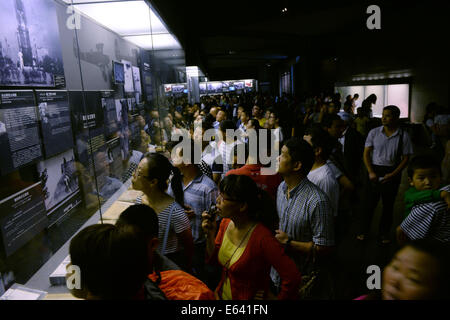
[214, 222]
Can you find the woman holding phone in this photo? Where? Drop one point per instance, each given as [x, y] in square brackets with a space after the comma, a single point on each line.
[245, 245]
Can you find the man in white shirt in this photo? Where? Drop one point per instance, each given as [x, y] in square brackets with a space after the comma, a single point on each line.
[386, 154]
[227, 144]
[321, 174]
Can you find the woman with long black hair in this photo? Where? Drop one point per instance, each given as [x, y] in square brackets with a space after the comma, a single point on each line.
[175, 237]
[245, 245]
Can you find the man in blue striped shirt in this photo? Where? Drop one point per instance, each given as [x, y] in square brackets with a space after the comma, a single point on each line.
[305, 212]
[200, 192]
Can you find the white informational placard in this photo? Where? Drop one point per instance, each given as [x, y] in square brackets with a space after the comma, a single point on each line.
[20, 292]
[58, 277]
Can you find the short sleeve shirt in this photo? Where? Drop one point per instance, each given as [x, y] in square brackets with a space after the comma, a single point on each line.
[323, 178]
[179, 222]
[307, 215]
[428, 221]
[199, 194]
[385, 148]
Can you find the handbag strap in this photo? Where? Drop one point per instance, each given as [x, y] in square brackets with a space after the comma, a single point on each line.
[166, 233]
[398, 156]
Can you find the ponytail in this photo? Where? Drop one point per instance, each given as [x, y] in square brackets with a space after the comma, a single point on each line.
[160, 168]
[177, 186]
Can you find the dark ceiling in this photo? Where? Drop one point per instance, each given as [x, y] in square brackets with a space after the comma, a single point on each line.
[236, 39]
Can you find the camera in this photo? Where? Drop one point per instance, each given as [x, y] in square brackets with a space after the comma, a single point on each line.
[212, 212]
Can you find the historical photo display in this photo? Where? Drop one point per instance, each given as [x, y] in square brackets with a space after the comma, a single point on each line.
[22, 217]
[30, 50]
[59, 179]
[19, 134]
[54, 116]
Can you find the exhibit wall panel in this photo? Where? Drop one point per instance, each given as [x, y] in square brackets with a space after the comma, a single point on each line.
[387, 94]
[72, 129]
[95, 47]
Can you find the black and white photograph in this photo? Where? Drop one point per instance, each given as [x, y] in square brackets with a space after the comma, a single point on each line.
[122, 118]
[114, 158]
[59, 178]
[119, 73]
[128, 75]
[137, 80]
[110, 113]
[239, 85]
[214, 87]
[54, 116]
[202, 87]
[178, 88]
[226, 85]
[30, 51]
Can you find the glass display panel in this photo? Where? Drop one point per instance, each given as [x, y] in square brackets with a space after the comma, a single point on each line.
[90, 105]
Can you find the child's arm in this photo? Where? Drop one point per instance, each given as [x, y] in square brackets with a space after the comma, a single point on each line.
[445, 195]
[401, 236]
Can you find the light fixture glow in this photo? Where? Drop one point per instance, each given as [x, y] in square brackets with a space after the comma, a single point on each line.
[155, 42]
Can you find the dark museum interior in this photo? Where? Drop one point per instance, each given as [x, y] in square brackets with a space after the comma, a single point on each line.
[206, 150]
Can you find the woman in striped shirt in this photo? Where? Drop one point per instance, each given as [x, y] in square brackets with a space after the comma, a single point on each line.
[151, 177]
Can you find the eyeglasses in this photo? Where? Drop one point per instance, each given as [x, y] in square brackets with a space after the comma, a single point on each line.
[227, 199]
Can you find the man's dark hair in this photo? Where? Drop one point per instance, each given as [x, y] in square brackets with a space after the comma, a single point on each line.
[255, 123]
[141, 216]
[275, 112]
[301, 151]
[227, 124]
[210, 118]
[328, 119]
[356, 95]
[423, 162]
[113, 261]
[247, 112]
[206, 124]
[321, 139]
[394, 110]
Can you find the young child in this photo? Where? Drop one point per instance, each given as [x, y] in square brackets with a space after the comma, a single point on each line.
[427, 202]
[423, 193]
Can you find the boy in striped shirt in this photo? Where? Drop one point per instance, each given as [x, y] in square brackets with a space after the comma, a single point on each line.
[429, 219]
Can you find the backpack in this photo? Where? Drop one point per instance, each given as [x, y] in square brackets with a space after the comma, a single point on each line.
[179, 285]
